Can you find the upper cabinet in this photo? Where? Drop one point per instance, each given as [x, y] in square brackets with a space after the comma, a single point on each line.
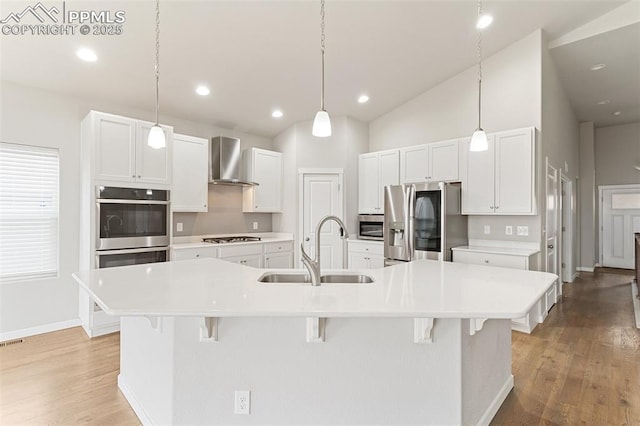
[375, 171]
[433, 162]
[189, 192]
[265, 168]
[120, 151]
[501, 180]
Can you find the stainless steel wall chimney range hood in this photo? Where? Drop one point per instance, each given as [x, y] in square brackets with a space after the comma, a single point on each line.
[224, 162]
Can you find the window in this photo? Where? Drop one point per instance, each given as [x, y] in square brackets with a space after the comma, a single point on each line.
[28, 212]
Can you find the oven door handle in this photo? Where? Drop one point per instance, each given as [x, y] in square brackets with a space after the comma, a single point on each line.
[131, 251]
[110, 201]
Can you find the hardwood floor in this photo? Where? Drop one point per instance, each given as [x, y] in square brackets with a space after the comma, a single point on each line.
[582, 366]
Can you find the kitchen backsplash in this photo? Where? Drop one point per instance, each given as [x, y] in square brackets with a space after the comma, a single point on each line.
[225, 215]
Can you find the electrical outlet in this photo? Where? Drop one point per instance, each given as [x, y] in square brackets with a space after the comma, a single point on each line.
[508, 230]
[487, 229]
[179, 227]
[242, 403]
[255, 225]
[523, 231]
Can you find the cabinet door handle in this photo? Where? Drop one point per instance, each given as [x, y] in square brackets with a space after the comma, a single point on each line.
[197, 255]
[491, 207]
[133, 176]
[306, 239]
[550, 246]
[139, 176]
[486, 261]
[497, 207]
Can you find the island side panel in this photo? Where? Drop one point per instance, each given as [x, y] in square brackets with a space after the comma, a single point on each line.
[367, 371]
[147, 368]
[486, 370]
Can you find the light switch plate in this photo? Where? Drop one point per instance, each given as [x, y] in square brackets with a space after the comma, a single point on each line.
[179, 227]
[508, 230]
[523, 231]
[487, 229]
[255, 225]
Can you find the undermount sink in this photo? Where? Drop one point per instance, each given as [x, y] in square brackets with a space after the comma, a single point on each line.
[283, 277]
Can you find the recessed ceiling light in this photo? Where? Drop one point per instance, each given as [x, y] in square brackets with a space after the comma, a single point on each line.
[202, 90]
[617, 113]
[484, 21]
[277, 114]
[86, 55]
[597, 67]
[604, 102]
[363, 98]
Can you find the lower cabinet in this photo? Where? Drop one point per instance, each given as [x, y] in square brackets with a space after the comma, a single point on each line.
[275, 255]
[517, 259]
[278, 260]
[364, 254]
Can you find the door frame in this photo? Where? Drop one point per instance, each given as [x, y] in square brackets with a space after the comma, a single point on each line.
[316, 171]
[602, 188]
[558, 215]
[567, 206]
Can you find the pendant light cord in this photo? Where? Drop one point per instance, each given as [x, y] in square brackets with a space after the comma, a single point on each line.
[479, 67]
[322, 51]
[157, 61]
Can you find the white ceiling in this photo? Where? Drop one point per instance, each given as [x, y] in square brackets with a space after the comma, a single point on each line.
[261, 55]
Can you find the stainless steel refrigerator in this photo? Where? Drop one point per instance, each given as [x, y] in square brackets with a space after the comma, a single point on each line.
[423, 221]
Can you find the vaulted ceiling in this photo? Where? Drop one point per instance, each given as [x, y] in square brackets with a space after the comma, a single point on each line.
[257, 56]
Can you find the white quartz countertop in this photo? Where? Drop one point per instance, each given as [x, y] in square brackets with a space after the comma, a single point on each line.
[216, 288]
[513, 251]
[196, 241]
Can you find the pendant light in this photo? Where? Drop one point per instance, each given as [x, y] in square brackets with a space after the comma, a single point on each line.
[479, 138]
[322, 122]
[157, 138]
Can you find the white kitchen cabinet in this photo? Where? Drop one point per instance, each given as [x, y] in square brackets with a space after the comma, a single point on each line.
[189, 192]
[375, 171]
[433, 162]
[511, 258]
[244, 254]
[265, 168]
[501, 180]
[194, 253]
[282, 260]
[365, 254]
[278, 255]
[120, 151]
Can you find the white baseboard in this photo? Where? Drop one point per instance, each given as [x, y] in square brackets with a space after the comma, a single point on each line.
[133, 402]
[636, 302]
[585, 269]
[493, 408]
[40, 329]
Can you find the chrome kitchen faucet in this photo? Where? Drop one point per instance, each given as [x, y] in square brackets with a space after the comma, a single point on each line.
[313, 265]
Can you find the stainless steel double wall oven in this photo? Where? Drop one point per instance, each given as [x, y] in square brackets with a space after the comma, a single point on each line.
[133, 226]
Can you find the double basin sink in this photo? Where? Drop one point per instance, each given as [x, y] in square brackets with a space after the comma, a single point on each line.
[283, 277]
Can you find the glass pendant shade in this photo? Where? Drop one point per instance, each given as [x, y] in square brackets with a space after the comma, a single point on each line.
[321, 125]
[479, 141]
[156, 138]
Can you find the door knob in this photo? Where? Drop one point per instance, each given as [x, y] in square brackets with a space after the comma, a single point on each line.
[550, 246]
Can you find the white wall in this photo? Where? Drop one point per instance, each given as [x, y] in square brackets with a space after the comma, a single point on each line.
[587, 197]
[617, 153]
[511, 98]
[560, 143]
[302, 150]
[36, 117]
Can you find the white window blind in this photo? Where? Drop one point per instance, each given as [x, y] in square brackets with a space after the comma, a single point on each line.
[28, 212]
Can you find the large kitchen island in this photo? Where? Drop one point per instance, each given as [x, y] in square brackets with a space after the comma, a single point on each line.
[426, 342]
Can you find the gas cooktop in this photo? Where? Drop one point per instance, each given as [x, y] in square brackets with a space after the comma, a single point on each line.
[237, 239]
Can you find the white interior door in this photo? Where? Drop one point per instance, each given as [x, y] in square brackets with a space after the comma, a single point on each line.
[566, 229]
[322, 196]
[551, 226]
[620, 220]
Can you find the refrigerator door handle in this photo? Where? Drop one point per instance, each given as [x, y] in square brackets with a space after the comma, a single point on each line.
[408, 220]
